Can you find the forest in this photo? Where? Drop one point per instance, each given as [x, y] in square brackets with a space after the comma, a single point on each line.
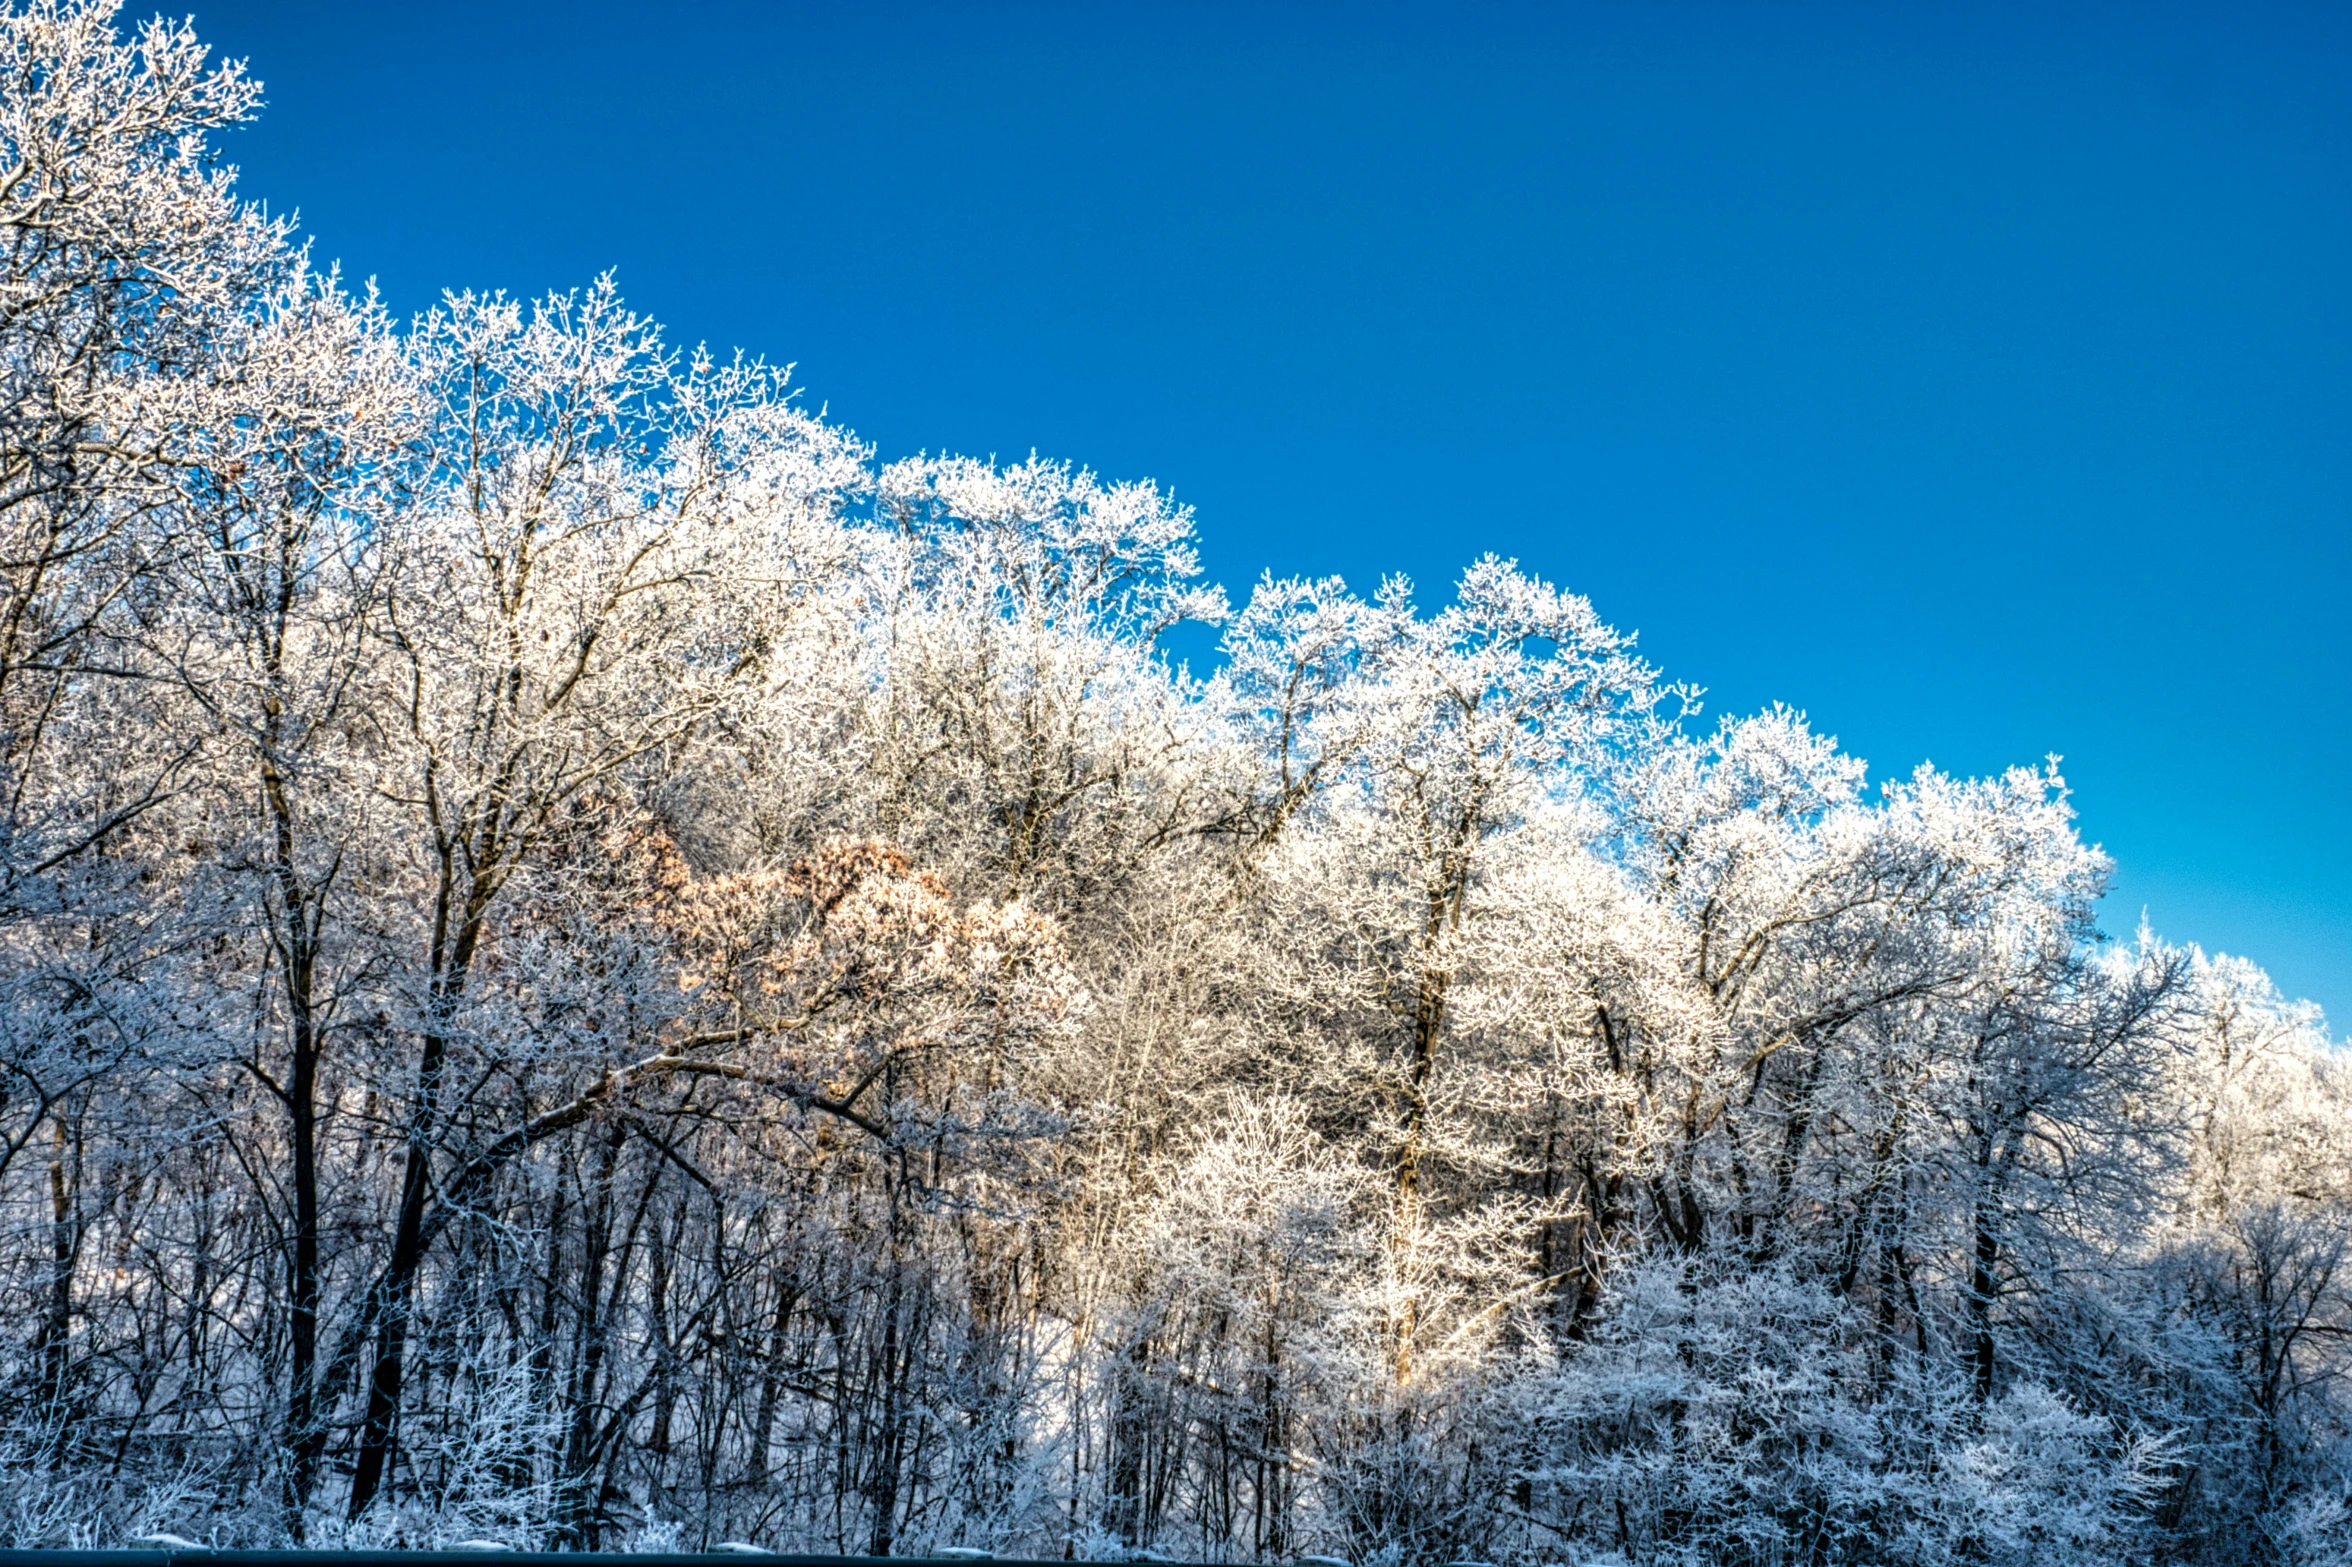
[585, 964]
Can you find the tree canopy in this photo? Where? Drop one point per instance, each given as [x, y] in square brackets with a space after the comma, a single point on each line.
[584, 963]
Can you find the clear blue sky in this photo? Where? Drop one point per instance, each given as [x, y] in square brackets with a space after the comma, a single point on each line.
[1974, 377]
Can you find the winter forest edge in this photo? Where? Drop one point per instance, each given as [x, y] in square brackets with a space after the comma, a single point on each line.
[582, 964]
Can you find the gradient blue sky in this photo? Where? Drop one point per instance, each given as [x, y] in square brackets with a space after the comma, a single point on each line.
[1973, 377]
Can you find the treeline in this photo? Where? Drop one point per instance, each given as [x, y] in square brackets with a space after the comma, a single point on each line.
[583, 964]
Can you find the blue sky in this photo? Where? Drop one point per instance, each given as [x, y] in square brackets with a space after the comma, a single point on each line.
[1972, 377]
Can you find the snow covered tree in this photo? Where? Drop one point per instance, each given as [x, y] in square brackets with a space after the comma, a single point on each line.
[584, 963]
